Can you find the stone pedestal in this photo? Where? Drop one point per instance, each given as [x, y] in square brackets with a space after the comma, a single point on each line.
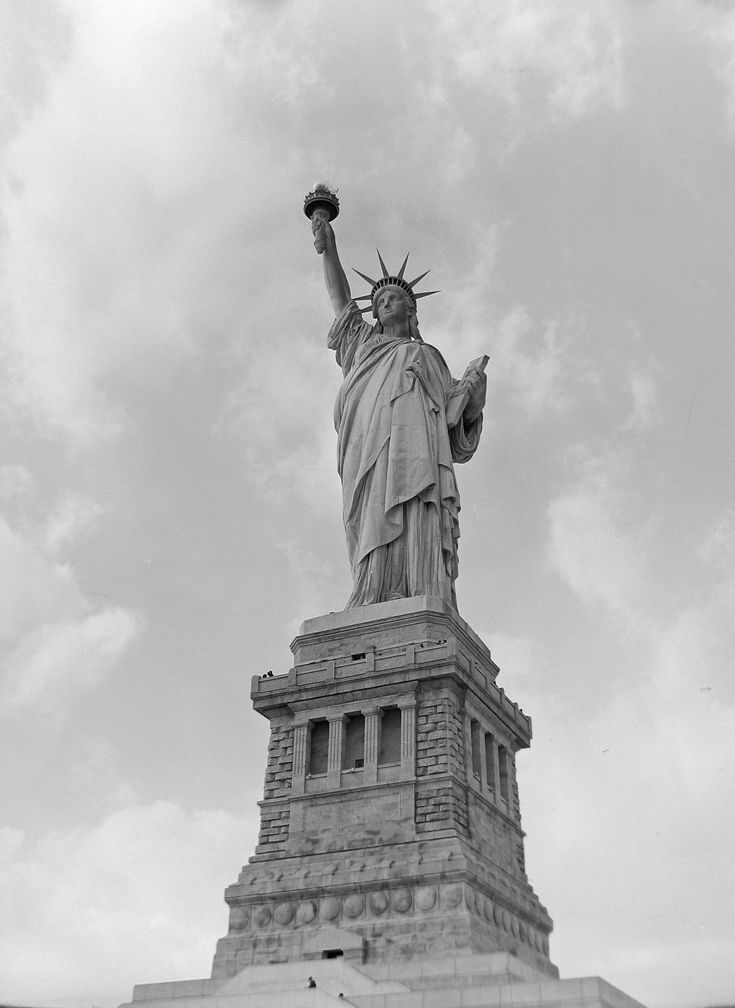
[390, 859]
[390, 825]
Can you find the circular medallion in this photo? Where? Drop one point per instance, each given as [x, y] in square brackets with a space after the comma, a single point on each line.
[401, 900]
[488, 909]
[283, 914]
[306, 912]
[378, 903]
[498, 915]
[354, 905]
[425, 897]
[514, 927]
[329, 909]
[506, 920]
[262, 916]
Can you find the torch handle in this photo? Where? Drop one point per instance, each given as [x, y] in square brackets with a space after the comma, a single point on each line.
[319, 242]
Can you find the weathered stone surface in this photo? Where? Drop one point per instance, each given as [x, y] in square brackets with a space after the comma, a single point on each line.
[414, 858]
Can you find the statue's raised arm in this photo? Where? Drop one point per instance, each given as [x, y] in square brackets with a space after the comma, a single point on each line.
[322, 206]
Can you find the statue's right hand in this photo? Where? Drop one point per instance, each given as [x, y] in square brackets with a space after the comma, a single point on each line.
[323, 233]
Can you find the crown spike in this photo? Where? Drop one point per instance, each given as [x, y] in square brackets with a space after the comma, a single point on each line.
[366, 278]
[426, 294]
[413, 283]
[382, 264]
[400, 271]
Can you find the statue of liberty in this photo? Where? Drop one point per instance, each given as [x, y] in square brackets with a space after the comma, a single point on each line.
[402, 423]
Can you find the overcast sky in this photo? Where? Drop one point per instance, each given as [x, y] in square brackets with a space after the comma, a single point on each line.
[170, 508]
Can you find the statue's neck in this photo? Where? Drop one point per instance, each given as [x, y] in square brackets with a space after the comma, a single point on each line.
[399, 331]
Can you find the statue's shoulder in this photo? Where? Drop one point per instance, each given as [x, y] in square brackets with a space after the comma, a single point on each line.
[348, 334]
[349, 322]
[436, 355]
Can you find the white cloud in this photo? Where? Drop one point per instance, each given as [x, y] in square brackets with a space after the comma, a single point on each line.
[285, 423]
[56, 660]
[716, 22]
[530, 360]
[644, 395]
[54, 644]
[593, 542]
[142, 888]
[564, 61]
[10, 842]
[309, 577]
[73, 516]
[128, 190]
[647, 767]
[654, 778]
[15, 481]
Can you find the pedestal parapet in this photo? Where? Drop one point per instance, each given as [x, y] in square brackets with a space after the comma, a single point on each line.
[390, 823]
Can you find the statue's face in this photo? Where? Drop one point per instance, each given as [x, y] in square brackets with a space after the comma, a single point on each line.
[392, 306]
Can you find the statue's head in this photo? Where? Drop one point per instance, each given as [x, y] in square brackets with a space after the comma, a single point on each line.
[392, 305]
[402, 293]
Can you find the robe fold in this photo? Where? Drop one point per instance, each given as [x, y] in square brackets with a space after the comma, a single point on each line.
[396, 461]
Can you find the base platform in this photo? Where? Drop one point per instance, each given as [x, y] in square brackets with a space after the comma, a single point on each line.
[473, 981]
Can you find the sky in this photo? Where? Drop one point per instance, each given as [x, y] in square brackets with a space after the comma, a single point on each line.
[170, 510]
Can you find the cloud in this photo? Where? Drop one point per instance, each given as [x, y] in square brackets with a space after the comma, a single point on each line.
[556, 63]
[15, 481]
[646, 766]
[676, 656]
[716, 23]
[530, 361]
[142, 887]
[309, 578]
[284, 422]
[643, 392]
[56, 660]
[594, 541]
[127, 191]
[35, 41]
[72, 517]
[54, 643]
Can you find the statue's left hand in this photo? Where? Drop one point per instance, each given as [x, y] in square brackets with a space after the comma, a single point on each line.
[476, 384]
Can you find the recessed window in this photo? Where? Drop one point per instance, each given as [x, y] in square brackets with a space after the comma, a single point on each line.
[389, 750]
[490, 760]
[503, 770]
[318, 747]
[476, 756]
[353, 752]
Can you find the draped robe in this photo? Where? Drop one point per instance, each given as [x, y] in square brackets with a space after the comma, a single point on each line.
[396, 460]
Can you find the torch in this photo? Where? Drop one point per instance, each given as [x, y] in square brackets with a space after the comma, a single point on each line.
[321, 203]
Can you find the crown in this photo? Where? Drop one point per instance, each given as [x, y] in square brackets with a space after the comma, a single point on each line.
[390, 280]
